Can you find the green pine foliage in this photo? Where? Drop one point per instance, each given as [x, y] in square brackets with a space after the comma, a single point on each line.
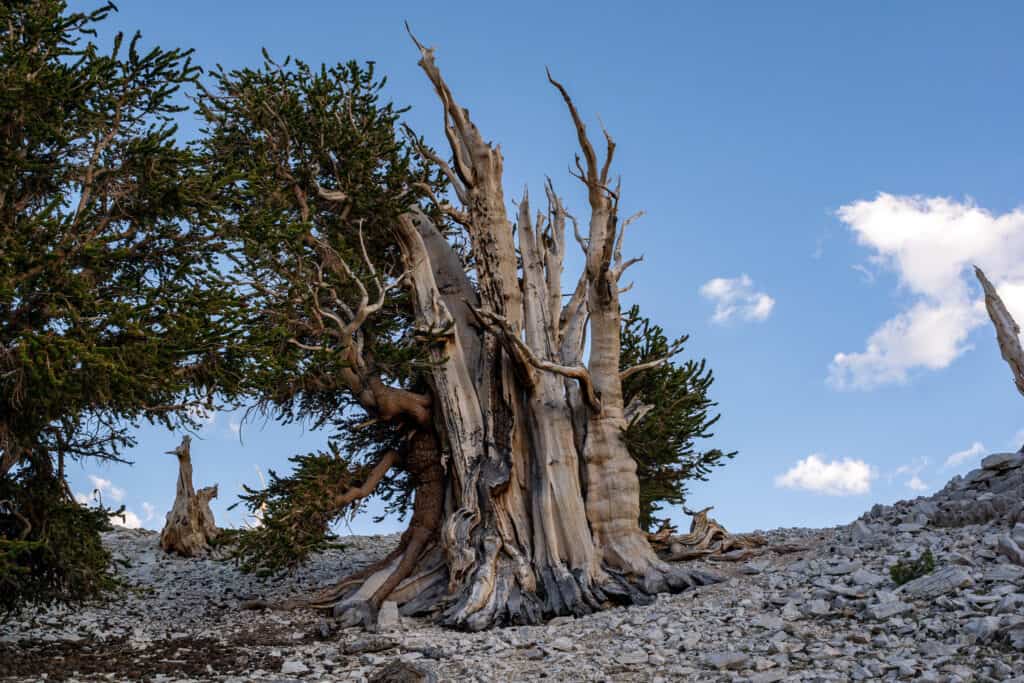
[909, 569]
[313, 170]
[296, 511]
[50, 549]
[663, 440]
[112, 308]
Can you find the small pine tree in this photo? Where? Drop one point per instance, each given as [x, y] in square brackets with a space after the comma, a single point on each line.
[671, 408]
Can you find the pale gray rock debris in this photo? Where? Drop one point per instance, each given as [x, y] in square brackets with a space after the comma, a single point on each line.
[1009, 549]
[828, 612]
[886, 610]
[387, 617]
[864, 577]
[728, 660]
[1002, 461]
[293, 666]
[937, 583]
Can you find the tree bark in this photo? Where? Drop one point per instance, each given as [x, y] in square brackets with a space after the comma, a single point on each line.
[190, 525]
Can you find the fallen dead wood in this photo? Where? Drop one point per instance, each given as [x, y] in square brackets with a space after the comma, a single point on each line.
[707, 539]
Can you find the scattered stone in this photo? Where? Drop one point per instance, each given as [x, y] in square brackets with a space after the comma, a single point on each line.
[982, 628]
[1009, 549]
[635, 657]
[399, 671]
[828, 611]
[939, 582]
[1002, 461]
[387, 616]
[769, 622]
[323, 630]
[563, 644]
[294, 666]
[861, 531]
[728, 660]
[361, 646]
[817, 608]
[886, 610]
[841, 568]
[863, 577]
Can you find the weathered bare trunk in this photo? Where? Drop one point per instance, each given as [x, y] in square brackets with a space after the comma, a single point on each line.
[1007, 330]
[190, 525]
[531, 506]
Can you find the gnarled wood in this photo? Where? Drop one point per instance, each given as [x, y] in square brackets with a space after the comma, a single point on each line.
[706, 539]
[190, 525]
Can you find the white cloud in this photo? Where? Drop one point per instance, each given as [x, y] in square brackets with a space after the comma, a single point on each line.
[104, 486]
[148, 510]
[969, 454]
[235, 427]
[915, 484]
[930, 243]
[127, 519]
[866, 273]
[736, 298]
[915, 468]
[835, 478]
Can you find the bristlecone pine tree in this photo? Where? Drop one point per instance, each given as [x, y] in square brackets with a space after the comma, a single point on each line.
[111, 307]
[441, 332]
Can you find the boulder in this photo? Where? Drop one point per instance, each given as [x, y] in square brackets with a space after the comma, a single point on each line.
[941, 582]
[1009, 549]
[1003, 461]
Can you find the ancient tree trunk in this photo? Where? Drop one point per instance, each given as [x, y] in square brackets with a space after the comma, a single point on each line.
[527, 499]
[190, 525]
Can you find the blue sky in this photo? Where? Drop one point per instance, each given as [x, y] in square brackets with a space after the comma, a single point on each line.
[817, 180]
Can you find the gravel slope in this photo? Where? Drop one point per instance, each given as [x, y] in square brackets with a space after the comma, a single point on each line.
[827, 613]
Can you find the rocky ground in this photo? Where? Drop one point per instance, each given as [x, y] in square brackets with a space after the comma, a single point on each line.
[828, 612]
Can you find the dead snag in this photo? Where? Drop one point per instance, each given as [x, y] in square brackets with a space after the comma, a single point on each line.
[190, 525]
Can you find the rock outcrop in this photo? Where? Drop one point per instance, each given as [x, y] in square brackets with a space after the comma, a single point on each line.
[993, 492]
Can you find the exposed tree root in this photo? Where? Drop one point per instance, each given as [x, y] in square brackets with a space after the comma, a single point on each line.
[416, 577]
[357, 597]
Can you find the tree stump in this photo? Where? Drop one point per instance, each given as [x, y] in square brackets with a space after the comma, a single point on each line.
[190, 525]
